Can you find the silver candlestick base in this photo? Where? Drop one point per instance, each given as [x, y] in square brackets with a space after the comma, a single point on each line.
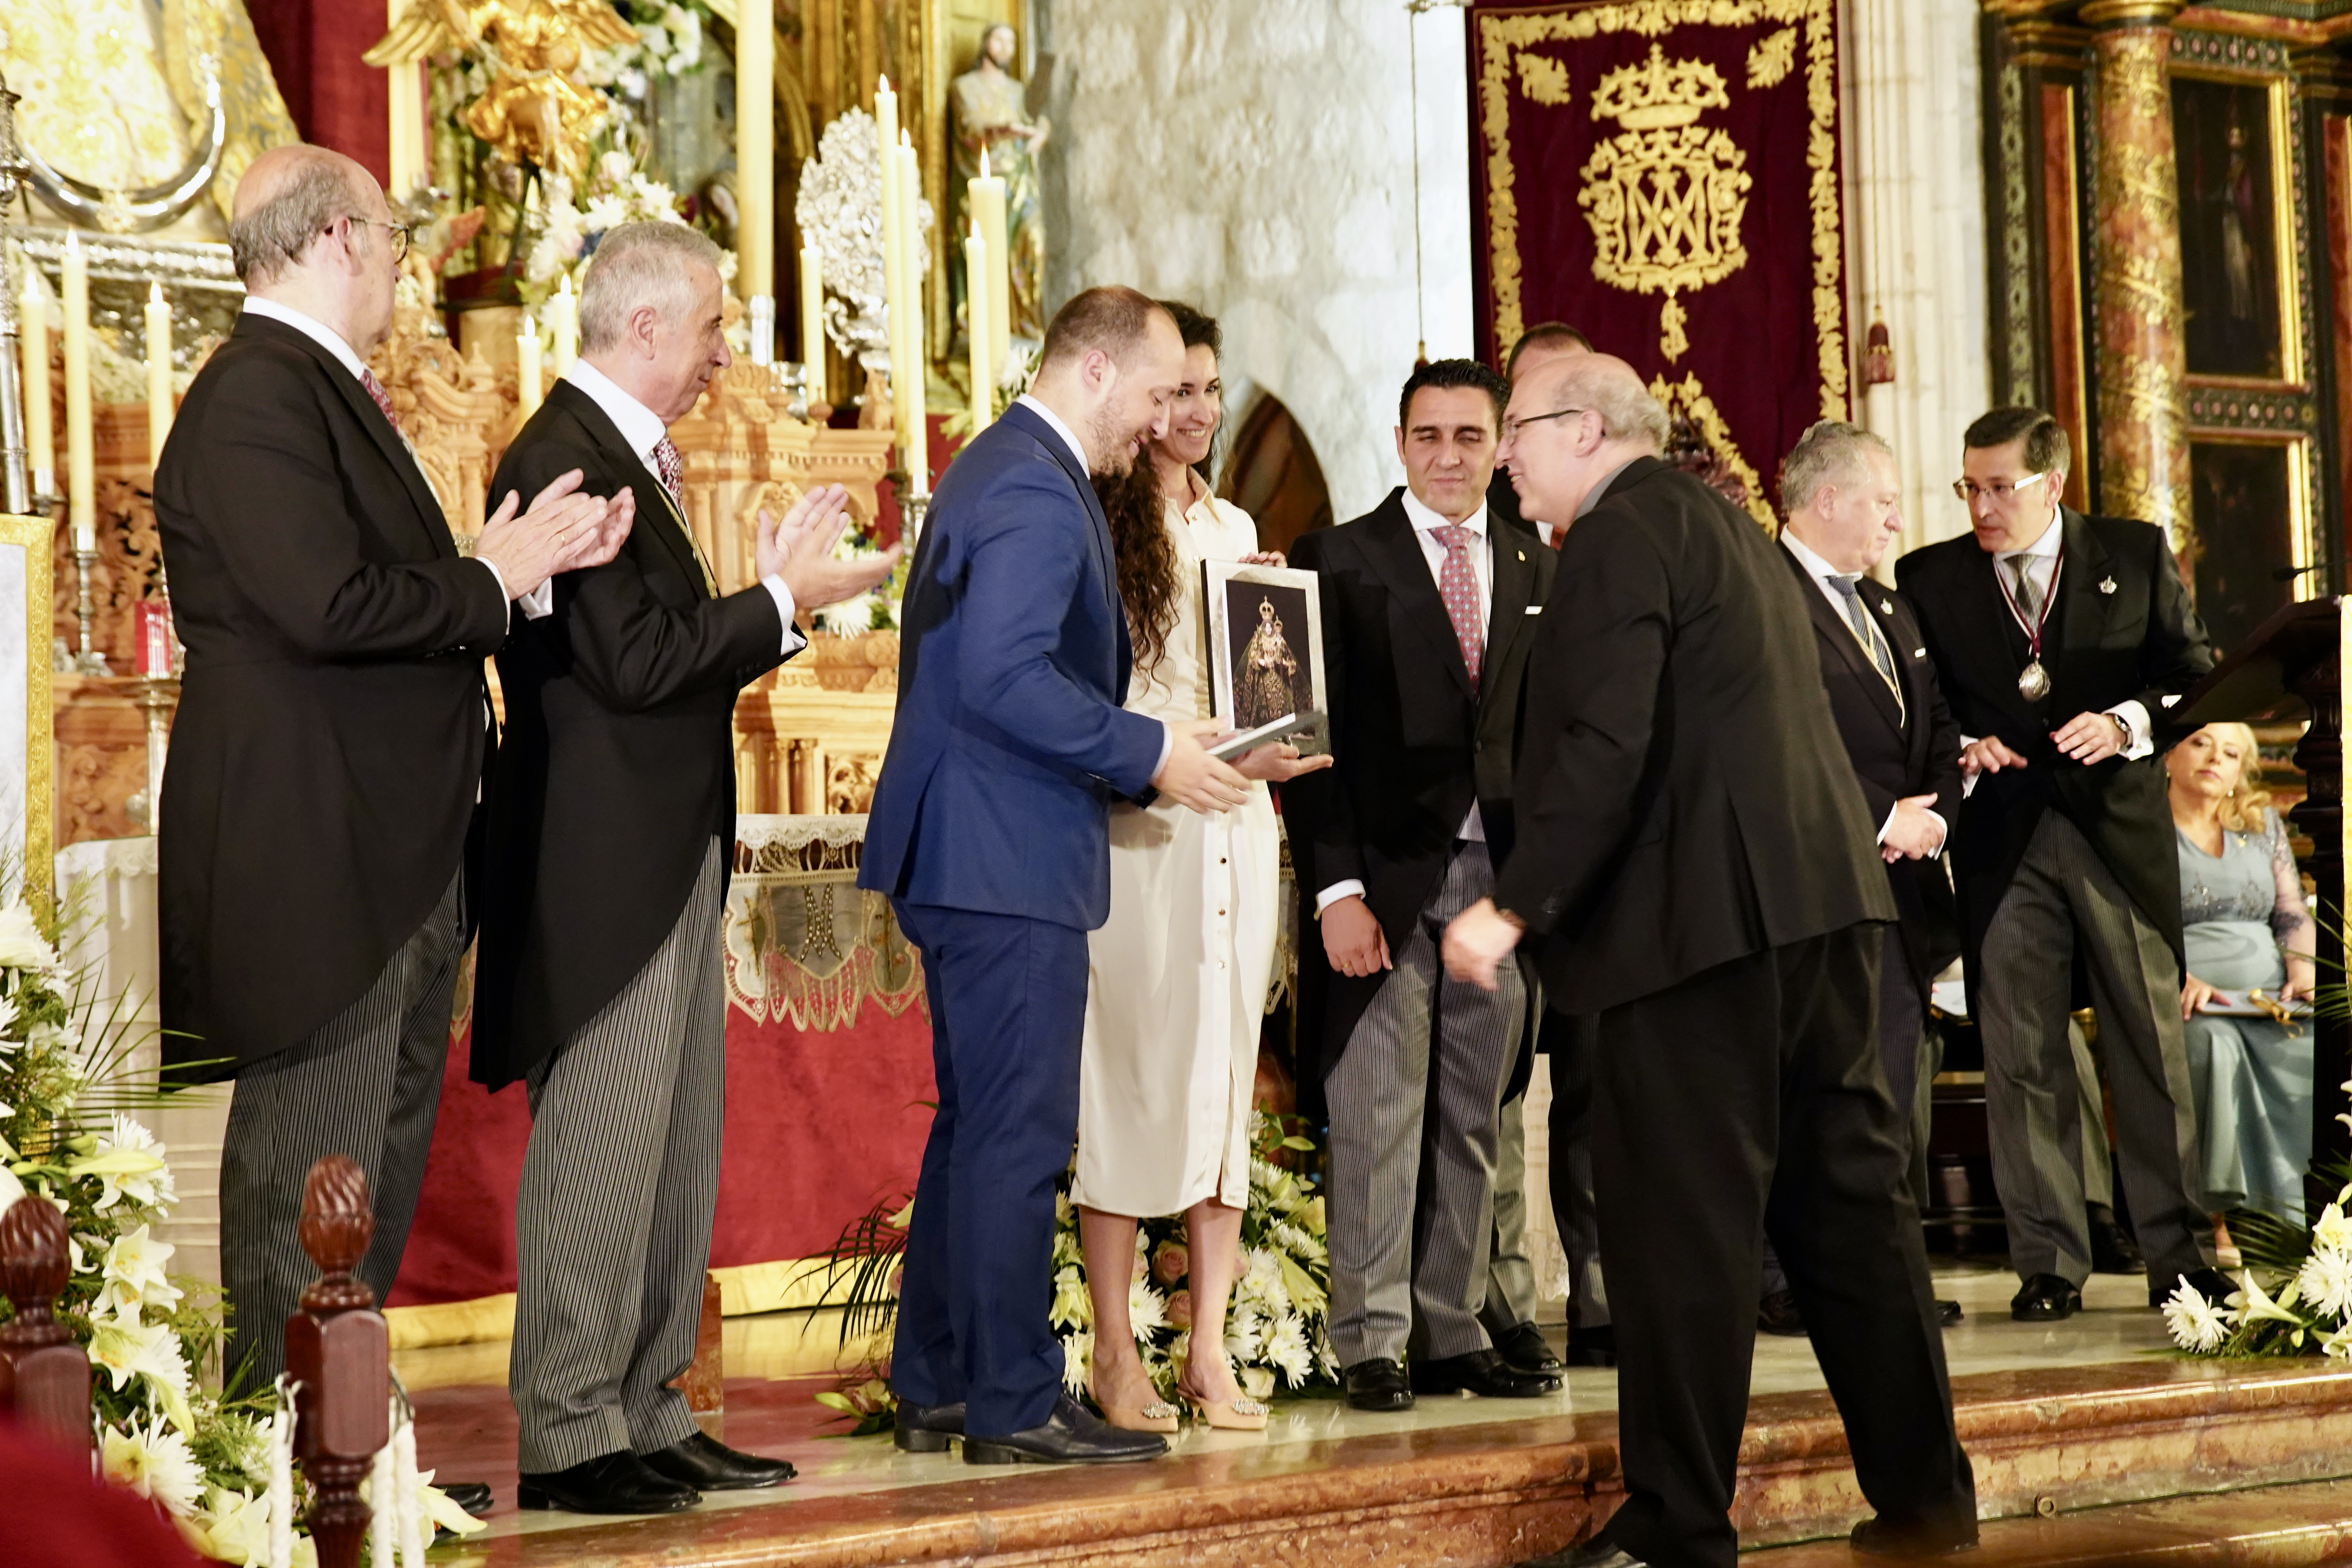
[796, 389]
[87, 660]
[912, 509]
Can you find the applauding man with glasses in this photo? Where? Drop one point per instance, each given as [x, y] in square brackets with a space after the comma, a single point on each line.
[2057, 637]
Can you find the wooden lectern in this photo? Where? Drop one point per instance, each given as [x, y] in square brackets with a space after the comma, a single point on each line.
[2290, 667]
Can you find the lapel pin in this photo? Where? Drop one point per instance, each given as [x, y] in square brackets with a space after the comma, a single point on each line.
[2106, 585]
[1523, 555]
[1886, 606]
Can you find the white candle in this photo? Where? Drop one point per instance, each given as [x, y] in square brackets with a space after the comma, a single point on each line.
[812, 321]
[563, 326]
[81, 474]
[987, 194]
[910, 193]
[979, 329]
[530, 386]
[40, 440]
[383, 1509]
[893, 304]
[755, 146]
[404, 115]
[414, 1537]
[280, 1493]
[159, 372]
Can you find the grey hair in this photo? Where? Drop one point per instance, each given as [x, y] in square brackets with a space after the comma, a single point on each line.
[639, 264]
[1609, 388]
[1830, 453]
[271, 238]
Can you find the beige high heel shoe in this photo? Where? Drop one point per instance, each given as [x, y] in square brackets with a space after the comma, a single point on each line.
[1157, 1416]
[1240, 1414]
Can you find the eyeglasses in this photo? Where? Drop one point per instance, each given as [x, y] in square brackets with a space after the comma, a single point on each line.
[2001, 491]
[1511, 428]
[403, 236]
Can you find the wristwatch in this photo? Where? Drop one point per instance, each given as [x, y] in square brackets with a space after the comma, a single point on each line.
[2123, 731]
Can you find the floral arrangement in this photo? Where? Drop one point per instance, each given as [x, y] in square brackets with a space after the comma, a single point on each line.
[2295, 1288]
[68, 1138]
[877, 609]
[1274, 1324]
[614, 192]
[671, 36]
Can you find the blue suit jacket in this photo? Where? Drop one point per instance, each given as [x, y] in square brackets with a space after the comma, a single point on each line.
[1010, 742]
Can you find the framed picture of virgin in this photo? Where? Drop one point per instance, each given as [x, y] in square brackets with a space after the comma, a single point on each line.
[1266, 646]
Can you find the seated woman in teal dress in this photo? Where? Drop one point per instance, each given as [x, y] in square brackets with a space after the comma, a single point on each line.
[2246, 929]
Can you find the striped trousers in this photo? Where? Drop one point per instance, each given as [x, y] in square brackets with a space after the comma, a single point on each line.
[613, 1216]
[1414, 1102]
[367, 1085]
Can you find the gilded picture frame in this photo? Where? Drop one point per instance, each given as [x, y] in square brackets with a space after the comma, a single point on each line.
[2236, 153]
[1265, 626]
[28, 827]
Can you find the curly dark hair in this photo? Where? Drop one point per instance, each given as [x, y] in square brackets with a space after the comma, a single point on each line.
[1139, 536]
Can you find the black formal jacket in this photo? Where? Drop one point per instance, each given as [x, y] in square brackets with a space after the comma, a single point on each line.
[617, 767]
[1897, 751]
[2122, 629]
[333, 729]
[1414, 747]
[1684, 798]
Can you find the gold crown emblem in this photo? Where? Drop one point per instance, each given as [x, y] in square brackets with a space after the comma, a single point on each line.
[1656, 93]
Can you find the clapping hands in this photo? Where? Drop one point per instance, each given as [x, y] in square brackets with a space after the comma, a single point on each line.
[561, 532]
[799, 549]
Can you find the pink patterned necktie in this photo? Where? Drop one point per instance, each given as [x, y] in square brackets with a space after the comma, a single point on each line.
[672, 467]
[383, 398]
[1457, 584]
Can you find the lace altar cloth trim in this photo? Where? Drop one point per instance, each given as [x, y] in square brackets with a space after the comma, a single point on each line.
[805, 944]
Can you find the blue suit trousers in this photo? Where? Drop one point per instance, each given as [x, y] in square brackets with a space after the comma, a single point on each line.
[1008, 998]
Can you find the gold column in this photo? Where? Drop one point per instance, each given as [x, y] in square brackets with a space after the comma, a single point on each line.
[2143, 401]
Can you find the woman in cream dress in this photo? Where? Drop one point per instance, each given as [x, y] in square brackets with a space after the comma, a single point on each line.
[1178, 987]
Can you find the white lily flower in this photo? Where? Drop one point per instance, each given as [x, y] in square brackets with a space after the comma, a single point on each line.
[439, 1511]
[154, 1462]
[2253, 1305]
[22, 945]
[233, 1527]
[129, 1163]
[2332, 1229]
[135, 1275]
[1287, 1349]
[128, 1348]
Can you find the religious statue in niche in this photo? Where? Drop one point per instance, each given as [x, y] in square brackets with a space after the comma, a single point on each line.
[992, 110]
[2229, 228]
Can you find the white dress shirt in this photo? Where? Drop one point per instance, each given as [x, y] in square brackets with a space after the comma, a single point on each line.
[1426, 522]
[642, 429]
[1820, 572]
[327, 338]
[1077, 449]
[2041, 566]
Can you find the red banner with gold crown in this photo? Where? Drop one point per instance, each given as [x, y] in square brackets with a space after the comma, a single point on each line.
[1664, 174]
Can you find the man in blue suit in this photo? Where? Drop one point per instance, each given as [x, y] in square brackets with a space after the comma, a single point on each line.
[989, 832]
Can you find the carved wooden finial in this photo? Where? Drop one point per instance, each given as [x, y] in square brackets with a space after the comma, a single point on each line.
[44, 1375]
[338, 1222]
[338, 1350]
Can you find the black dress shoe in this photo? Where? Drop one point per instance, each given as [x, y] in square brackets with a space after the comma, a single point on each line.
[1072, 1434]
[474, 1497]
[1776, 1314]
[1947, 1313]
[707, 1464]
[1526, 1350]
[1483, 1373]
[609, 1483]
[2112, 1251]
[2211, 1283]
[1597, 1552]
[926, 1428]
[1892, 1538]
[2045, 1298]
[1377, 1385]
[1592, 1347]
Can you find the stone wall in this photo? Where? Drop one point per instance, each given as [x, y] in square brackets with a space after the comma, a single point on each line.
[1255, 157]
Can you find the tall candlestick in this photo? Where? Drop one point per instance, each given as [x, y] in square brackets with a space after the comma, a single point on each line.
[81, 474]
[893, 304]
[404, 117]
[812, 322]
[530, 386]
[159, 372]
[40, 440]
[755, 146]
[987, 194]
[979, 329]
[910, 225]
[563, 326]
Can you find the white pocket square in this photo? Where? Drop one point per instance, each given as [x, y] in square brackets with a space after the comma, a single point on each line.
[1535, 609]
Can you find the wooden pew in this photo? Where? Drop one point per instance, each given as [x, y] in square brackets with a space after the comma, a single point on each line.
[338, 1354]
[44, 1375]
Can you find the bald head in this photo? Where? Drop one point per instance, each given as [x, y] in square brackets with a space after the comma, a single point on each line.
[1572, 422]
[308, 229]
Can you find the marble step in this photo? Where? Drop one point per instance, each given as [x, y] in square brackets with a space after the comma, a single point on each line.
[1491, 1494]
[2269, 1527]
